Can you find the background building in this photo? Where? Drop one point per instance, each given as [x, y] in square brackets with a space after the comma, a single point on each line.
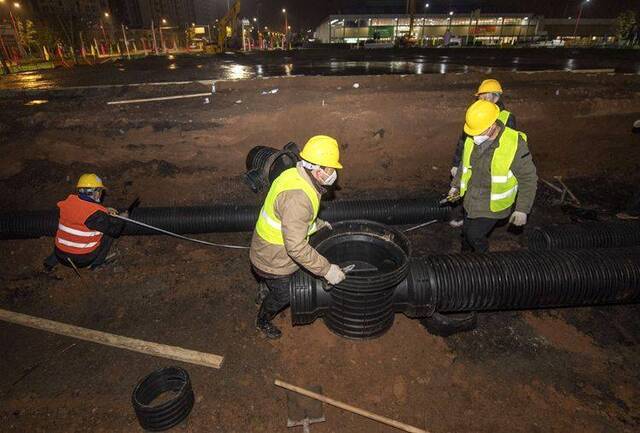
[465, 29]
[485, 29]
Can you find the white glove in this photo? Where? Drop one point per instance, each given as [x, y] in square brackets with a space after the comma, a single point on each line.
[327, 225]
[518, 218]
[453, 192]
[335, 275]
[112, 211]
[454, 171]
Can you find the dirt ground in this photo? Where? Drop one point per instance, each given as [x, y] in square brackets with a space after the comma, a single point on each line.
[543, 371]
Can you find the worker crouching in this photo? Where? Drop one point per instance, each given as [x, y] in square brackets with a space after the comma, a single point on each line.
[288, 217]
[85, 227]
[496, 177]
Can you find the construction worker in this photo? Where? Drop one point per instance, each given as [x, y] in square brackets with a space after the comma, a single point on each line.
[289, 215]
[489, 90]
[85, 227]
[496, 172]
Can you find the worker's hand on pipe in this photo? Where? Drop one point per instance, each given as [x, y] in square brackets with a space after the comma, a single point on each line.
[327, 225]
[112, 211]
[518, 219]
[335, 275]
[454, 171]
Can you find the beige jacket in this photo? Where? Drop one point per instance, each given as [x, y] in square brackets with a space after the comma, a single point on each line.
[295, 211]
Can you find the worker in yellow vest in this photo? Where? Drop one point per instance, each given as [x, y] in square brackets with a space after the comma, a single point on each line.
[288, 217]
[489, 90]
[496, 176]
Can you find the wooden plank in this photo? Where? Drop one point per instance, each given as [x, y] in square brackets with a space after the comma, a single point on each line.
[113, 340]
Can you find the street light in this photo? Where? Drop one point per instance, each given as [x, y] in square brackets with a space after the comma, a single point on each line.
[106, 14]
[16, 5]
[450, 13]
[164, 21]
[575, 30]
[426, 6]
[286, 21]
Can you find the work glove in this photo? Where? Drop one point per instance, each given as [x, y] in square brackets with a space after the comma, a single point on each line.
[112, 211]
[335, 275]
[323, 224]
[454, 171]
[518, 219]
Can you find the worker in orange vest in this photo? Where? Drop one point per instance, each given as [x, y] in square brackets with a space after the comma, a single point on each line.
[85, 227]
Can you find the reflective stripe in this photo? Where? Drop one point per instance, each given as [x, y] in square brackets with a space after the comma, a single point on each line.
[273, 223]
[77, 232]
[502, 179]
[463, 185]
[464, 170]
[276, 225]
[76, 244]
[505, 194]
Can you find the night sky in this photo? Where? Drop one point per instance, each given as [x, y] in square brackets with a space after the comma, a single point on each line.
[309, 13]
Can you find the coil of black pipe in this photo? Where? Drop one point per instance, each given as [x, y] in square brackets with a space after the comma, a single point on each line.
[229, 218]
[585, 235]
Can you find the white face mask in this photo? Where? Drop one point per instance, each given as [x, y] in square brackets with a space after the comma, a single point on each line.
[479, 139]
[330, 180]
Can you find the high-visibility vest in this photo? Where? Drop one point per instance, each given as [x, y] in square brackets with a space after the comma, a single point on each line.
[504, 116]
[73, 236]
[504, 185]
[269, 226]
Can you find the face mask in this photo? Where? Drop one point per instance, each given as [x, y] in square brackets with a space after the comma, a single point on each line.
[479, 139]
[330, 180]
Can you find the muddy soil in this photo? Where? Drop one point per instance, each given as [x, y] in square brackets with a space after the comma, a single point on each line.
[557, 370]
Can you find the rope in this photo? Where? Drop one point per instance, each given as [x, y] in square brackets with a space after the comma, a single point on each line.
[175, 235]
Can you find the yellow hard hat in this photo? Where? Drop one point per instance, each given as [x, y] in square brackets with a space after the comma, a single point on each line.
[489, 86]
[322, 150]
[480, 116]
[90, 180]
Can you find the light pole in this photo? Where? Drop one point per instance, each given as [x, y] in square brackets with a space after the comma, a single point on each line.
[15, 5]
[286, 22]
[582, 4]
[426, 6]
[162, 22]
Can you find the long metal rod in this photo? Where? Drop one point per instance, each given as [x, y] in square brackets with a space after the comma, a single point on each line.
[175, 235]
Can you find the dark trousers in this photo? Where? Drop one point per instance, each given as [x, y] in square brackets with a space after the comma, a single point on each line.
[278, 297]
[633, 206]
[94, 259]
[475, 234]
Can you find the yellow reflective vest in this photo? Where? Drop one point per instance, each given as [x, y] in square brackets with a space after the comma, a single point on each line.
[504, 185]
[269, 226]
[504, 116]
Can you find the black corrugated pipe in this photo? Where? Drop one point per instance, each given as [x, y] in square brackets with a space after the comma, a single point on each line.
[585, 235]
[264, 164]
[520, 280]
[458, 283]
[362, 305]
[230, 218]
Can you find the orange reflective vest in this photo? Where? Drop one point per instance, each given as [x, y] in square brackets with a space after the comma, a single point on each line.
[73, 236]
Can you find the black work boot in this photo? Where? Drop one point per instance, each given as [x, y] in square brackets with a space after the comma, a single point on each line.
[264, 325]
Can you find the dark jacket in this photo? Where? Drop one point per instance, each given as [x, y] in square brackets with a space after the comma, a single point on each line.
[477, 199]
